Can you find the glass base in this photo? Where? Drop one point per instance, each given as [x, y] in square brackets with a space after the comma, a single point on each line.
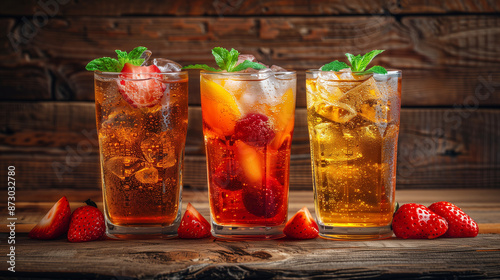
[248, 232]
[354, 233]
[143, 231]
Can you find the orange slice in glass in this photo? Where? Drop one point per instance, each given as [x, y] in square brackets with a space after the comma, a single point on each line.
[219, 108]
[251, 161]
[284, 119]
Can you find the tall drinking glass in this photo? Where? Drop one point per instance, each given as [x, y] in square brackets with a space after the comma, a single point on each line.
[141, 151]
[353, 125]
[248, 121]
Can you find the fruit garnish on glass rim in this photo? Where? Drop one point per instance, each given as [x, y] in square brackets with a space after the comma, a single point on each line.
[358, 64]
[140, 86]
[108, 64]
[227, 60]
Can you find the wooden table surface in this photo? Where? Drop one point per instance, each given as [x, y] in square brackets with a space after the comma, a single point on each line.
[211, 258]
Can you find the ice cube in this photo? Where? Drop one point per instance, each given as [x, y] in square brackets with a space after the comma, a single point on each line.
[276, 68]
[366, 90]
[336, 143]
[370, 102]
[243, 57]
[374, 110]
[166, 65]
[147, 175]
[256, 94]
[123, 166]
[124, 122]
[146, 55]
[263, 74]
[335, 111]
[328, 86]
[159, 150]
[328, 76]
[346, 74]
[249, 57]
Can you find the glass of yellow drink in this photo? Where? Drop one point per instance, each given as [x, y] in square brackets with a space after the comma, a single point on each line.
[353, 122]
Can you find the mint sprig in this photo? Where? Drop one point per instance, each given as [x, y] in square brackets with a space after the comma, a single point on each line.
[108, 64]
[201, 66]
[358, 63]
[226, 60]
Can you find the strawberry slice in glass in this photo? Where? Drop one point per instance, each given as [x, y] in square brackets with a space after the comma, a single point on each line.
[141, 86]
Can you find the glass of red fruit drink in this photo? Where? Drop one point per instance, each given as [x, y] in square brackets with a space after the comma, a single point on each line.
[248, 120]
[141, 116]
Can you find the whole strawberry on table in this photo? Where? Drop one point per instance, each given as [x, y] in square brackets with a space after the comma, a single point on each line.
[415, 221]
[85, 224]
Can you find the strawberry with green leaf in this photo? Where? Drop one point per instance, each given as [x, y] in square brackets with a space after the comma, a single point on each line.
[228, 61]
[358, 64]
[140, 86]
[108, 64]
[86, 224]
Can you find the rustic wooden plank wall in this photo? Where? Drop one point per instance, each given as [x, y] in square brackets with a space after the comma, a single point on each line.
[449, 52]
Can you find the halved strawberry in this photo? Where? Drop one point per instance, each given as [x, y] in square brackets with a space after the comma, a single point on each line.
[459, 223]
[87, 224]
[415, 221]
[193, 224]
[141, 86]
[264, 200]
[54, 223]
[301, 225]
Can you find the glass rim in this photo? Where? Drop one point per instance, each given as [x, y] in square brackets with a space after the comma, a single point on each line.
[288, 72]
[149, 73]
[389, 71]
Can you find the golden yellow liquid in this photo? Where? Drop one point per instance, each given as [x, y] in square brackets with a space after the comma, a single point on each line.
[353, 127]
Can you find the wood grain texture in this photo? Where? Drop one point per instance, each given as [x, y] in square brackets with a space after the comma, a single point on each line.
[249, 7]
[54, 144]
[216, 259]
[481, 204]
[277, 259]
[446, 60]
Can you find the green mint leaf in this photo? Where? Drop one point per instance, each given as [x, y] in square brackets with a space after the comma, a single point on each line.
[104, 64]
[350, 57]
[357, 63]
[377, 69]
[226, 60]
[121, 54]
[133, 57]
[108, 64]
[367, 58]
[201, 66]
[220, 55]
[136, 53]
[353, 59]
[334, 66]
[231, 60]
[248, 64]
[136, 62]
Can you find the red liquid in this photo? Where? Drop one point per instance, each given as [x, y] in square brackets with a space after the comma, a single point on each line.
[247, 139]
[248, 185]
